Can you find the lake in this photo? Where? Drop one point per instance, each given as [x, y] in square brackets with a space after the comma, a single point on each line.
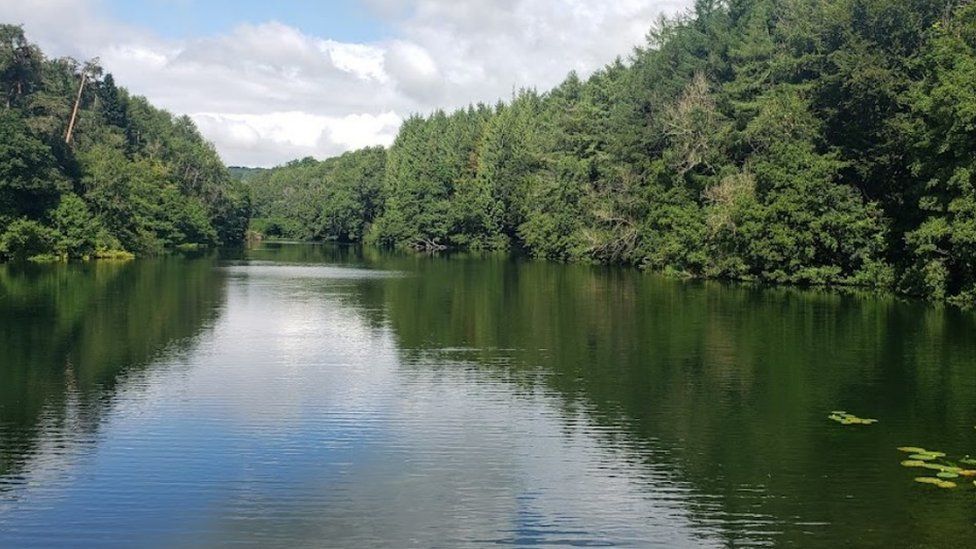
[319, 395]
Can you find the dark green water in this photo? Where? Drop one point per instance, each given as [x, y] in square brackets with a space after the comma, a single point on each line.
[319, 396]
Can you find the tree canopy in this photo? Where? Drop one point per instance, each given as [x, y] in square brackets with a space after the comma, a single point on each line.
[794, 141]
[127, 177]
[791, 141]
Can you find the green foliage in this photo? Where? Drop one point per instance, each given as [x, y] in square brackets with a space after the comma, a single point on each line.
[20, 65]
[29, 176]
[132, 176]
[112, 103]
[788, 141]
[808, 227]
[27, 239]
[230, 213]
[554, 222]
[433, 197]
[941, 247]
[509, 157]
[352, 197]
[338, 198]
[77, 230]
[241, 173]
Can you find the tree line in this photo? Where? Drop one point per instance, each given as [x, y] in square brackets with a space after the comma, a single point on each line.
[792, 141]
[88, 170]
[788, 141]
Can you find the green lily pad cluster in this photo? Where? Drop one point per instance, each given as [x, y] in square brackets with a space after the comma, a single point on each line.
[935, 461]
[845, 418]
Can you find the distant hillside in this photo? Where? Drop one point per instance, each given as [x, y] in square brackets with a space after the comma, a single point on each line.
[241, 173]
[337, 198]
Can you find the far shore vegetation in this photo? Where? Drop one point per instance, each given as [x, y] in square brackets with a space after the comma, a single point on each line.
[782, 141]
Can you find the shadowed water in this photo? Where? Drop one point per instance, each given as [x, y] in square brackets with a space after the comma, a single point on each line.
[305, 395]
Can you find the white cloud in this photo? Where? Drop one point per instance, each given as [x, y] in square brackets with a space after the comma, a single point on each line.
[485, 49]
[358, 59]
[272, 138]
[414, 71]
[268, 93]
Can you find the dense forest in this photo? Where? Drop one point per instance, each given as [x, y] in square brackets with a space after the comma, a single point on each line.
[88, 170]
[309, 200]
[793, 141]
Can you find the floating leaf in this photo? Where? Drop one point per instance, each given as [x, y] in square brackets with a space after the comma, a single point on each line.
[940, 467]
[850, 419]
[936, 482]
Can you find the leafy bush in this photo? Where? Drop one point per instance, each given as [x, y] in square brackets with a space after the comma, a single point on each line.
[27, 239]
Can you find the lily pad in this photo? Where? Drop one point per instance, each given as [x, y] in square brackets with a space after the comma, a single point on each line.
[936, 482]
[940, 467]
[850, 419]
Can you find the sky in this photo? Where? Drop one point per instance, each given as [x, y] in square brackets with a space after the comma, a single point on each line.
[272, 81]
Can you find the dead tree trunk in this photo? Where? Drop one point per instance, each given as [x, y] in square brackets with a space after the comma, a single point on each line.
[74, 112]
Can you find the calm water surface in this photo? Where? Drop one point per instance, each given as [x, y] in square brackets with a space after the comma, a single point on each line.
[302, 396]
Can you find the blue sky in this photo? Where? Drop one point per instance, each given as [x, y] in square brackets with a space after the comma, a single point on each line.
[343, 20]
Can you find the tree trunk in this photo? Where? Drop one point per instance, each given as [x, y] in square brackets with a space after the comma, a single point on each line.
[74, 112]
